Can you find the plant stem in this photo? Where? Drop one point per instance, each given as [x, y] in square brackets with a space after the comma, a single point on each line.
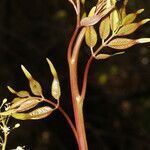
[5, 136]
[78, 109]
[71, 42]
[77, 101]
[73, 51]
[80, 126]
[5, 141]
[84, 84]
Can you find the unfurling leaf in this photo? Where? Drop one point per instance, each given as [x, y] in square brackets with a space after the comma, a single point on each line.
[22, 94]
[35, 87]
[27, 105]
[104, 28]
[130, 28]
[89, 21]
[131, 17]
[36, 114]
[55, 88]
[121, 43]
[90, 36]
[100, 6]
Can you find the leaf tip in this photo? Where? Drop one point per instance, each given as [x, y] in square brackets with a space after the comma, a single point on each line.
[26, 72]
[140, 11]
[11, 90]
[143, 40]
[145, 20]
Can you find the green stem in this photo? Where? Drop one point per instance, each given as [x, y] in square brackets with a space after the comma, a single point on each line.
[5, 141]
[5, 136]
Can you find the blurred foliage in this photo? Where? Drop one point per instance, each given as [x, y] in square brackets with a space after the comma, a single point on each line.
[117, 108]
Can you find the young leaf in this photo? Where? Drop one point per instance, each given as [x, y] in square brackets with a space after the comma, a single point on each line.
[90, 36]
[55, 88]
[41, 112]
[123, 9]
[36, 114]
[121, 43]
[17, 102]
[100, 6]
[102, 56]
[131, 17]
[16, 99]
[26, 72]
[89, 21]
[130, 28]
[114, 20]
[35, 87]
[105, 56]
[22, 94]
[27, 105]
[104, 28]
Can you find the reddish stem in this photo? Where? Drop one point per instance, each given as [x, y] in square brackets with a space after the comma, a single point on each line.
[66, 117]
[71, 42]
[76, 98]
[85, 76]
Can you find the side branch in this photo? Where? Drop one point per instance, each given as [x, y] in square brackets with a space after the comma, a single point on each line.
[66, 117]
[85, 76]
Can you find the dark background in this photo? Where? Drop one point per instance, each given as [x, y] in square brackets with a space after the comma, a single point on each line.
[117, 105]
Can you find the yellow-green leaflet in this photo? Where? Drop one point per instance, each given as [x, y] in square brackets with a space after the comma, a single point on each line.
[104, 28]
[90, 36]
[55, 88]
[36, 114]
